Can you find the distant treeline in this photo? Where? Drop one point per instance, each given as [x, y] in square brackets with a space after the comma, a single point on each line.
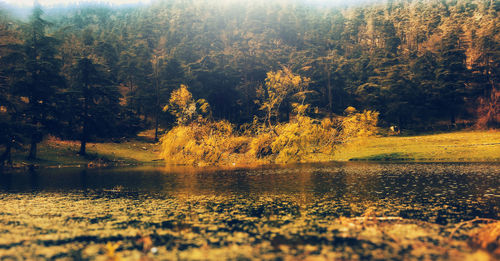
[98, 72]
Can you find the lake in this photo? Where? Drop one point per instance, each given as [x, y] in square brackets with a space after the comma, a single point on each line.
[330, 210]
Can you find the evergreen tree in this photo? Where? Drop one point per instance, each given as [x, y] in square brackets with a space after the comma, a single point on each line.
[95, 98]
[134, 72]
[423, 77]
[11, 64]
[451, 75]
[42, 79]
[486, 70]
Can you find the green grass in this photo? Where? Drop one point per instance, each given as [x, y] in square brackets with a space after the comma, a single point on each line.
[462, 146]
[398, 156]
[54, 152]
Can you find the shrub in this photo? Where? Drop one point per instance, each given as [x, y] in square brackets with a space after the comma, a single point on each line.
[359, 125]
[260, 145]
[303, 138]
[199, 143]
[198, 140]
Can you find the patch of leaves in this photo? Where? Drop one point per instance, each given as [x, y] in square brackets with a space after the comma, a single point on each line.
[66, 225]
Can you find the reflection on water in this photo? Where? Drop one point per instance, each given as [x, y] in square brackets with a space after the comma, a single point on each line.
[458, 189]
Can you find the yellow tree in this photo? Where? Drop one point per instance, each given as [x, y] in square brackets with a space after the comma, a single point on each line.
[279, 85]
[183, 106]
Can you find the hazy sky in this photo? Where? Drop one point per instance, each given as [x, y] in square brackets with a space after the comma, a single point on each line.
[48, 3]
[28, 3]
[57, 2]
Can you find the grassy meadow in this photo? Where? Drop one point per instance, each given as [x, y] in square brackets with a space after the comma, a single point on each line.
[461, 146]
[55, 152]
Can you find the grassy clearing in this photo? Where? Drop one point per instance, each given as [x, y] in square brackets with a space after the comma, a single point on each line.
[464, 146]
[54, 152]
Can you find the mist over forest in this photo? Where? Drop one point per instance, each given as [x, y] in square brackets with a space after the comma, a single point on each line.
[105, 71]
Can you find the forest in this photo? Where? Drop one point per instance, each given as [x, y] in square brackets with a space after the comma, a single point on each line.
[98, 72]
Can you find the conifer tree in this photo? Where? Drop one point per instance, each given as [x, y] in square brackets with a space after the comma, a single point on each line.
[451, 75]
[11, 68]
[95, 98]
[42, 79]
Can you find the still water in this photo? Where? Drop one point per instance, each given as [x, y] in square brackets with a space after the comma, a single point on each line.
[436, 192]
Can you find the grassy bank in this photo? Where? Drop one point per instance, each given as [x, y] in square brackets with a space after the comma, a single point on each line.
[54, 152]
[463, 146]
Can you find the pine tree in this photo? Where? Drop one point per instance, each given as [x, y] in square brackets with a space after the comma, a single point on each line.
[451, 75]
[95, 98]
[11, 68]
[42, 79]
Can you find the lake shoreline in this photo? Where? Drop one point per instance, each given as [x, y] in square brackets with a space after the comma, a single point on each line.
[461, 146]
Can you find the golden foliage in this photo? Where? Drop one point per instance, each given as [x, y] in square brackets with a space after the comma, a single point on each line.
[182, 105]
[360, 125]
[260, 145]
[300, 138]
[488, 238]
[304, 138]
[147, 243]
[349, 110]
[478, 256]
[201, 143]
[111, 251]
[198, 140]
[279, 84]
[488, 110]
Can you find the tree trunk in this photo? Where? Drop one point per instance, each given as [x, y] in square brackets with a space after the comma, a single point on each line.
[269, 118]
[86, 98]
[330, 94]
[83, 140]
[156, 125]
[146, 122]
[7, 156]
[83, 145]
[33, 144]
[401, 122]
[157, 93]
[34, 136]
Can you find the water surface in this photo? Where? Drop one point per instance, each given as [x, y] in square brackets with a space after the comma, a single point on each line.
[436, 192]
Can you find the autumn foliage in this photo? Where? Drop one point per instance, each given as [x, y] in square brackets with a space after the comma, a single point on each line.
[199, 140]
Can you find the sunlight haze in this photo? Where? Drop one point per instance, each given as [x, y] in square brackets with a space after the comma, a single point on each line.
[29, 3]
[64, 2]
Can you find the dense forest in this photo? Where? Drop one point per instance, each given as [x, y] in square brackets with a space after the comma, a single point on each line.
[98, 72]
